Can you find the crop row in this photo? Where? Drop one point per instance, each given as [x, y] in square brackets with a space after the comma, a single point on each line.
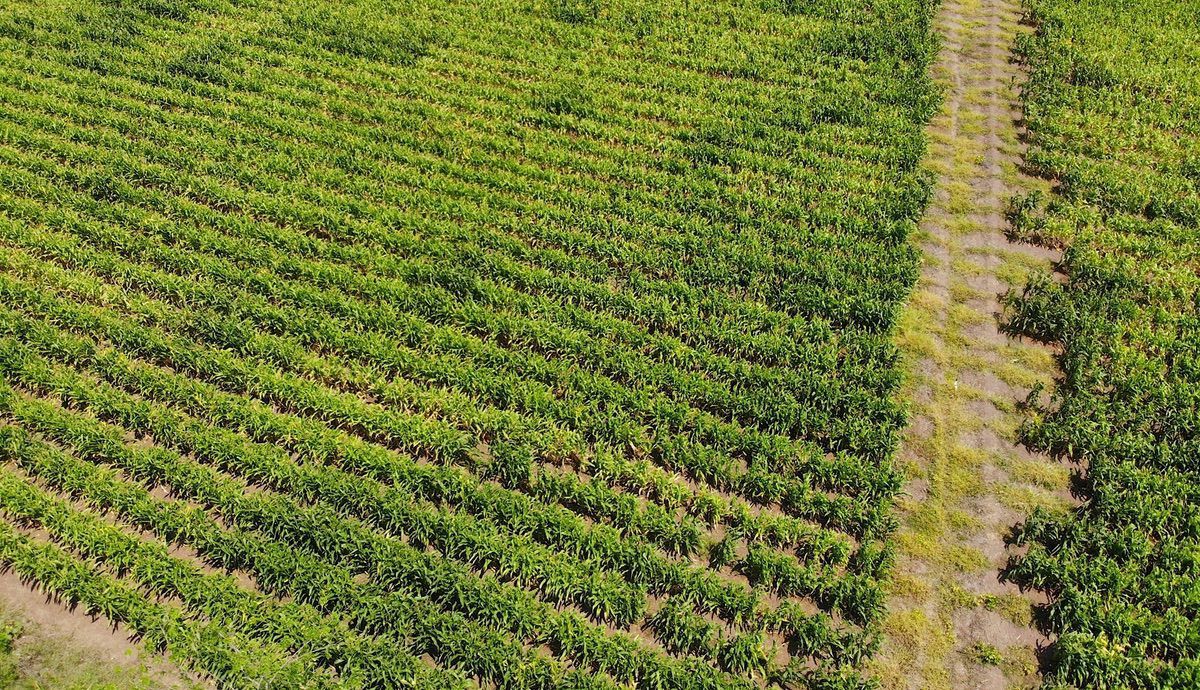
[809, 404]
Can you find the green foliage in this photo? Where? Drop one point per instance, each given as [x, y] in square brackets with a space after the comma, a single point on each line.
[1112, 113]
[177, 10]
[575, 11]
[207, 62]
[363, 30]
[9, 632]
[743, 654]
[522, 345]
[568, 98]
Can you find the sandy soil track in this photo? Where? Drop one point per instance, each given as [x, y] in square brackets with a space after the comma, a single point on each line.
[953, 623]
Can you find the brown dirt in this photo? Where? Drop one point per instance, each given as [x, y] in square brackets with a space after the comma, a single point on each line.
[94, 640]
[54, 619]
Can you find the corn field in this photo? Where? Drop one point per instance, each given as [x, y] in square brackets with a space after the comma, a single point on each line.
[1113, 109]
[515, 344]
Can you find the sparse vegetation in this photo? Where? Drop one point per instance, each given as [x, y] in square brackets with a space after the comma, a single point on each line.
[34, 659]
[968, 481]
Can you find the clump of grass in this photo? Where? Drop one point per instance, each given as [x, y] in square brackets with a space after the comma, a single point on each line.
[175, 10]
[986, 654]
[1040, 474]
[1014, 608]
[10, 630]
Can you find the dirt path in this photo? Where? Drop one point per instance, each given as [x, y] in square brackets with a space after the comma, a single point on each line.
[59, 646]
[953, 624]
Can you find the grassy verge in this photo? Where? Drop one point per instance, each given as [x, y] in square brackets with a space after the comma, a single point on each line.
[33, 657]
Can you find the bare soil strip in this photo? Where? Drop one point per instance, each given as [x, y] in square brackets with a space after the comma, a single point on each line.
[953, 623]
[59, 646]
